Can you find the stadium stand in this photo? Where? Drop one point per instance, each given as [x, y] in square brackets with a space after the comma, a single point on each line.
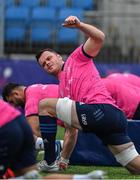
[9, 3]
[57, 4]
[67, 36]
[31, 4]
[39, 34]
[15, 37]
[42, 26]
[16, 16]
[34, 16]
[15, 34]
[43, 16]
[64, 12]
[16, 27]
[119, 24]
[86, 5]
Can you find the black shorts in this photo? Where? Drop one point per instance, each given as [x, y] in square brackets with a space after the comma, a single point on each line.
[16, 145]
[104, 120]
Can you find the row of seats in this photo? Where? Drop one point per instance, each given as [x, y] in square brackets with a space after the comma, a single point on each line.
[21, 16]
[41, 25]
[41, 35]
[84, 4]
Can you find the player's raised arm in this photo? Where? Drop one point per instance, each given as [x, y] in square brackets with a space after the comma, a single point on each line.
[96, 36]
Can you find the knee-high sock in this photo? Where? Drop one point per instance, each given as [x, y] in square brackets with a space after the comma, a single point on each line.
[48, 128]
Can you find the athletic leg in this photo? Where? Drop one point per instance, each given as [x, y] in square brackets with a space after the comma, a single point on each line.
[48, 128]
[62, 108]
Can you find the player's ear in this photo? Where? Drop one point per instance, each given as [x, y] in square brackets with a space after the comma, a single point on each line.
[14, 92]
[60, 57]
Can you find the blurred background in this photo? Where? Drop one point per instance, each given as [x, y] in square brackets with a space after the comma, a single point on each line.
[26, 26]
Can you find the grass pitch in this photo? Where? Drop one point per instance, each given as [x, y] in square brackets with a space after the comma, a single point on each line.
[112, 172]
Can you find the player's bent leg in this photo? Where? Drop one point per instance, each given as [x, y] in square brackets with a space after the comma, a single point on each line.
[48, 128]
[62, 108]
[127, 156]
[47, 107]
[66, 111]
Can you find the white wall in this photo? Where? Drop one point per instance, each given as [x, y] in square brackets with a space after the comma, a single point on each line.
[121, 21]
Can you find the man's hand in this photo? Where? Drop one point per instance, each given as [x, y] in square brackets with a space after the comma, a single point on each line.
[63, 163]
[71, 22]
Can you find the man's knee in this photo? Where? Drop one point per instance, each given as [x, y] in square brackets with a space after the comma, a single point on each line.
[127, 155]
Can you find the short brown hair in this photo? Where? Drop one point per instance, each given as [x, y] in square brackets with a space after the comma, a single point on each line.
[42, 51]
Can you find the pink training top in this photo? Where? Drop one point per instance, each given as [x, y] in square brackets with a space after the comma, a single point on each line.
[129, 78]
[7, 113]
[80, 80]
[37, 92]
[127, 96]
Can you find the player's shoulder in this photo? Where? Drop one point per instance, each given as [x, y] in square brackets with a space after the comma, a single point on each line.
[33, 88]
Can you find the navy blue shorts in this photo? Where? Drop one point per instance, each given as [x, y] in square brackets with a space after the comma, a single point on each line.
[16, 145]
[104, 120]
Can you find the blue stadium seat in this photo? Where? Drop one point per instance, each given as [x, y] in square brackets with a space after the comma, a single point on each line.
[15, 34]
[43, 16]
[67, 36]
[39, 35]
[57, 3]
[30, 3]
[84, 4]
[65, 12]
[16, 16]
[9, 3]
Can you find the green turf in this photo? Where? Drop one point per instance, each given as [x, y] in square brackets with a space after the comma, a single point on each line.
[112, 172]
